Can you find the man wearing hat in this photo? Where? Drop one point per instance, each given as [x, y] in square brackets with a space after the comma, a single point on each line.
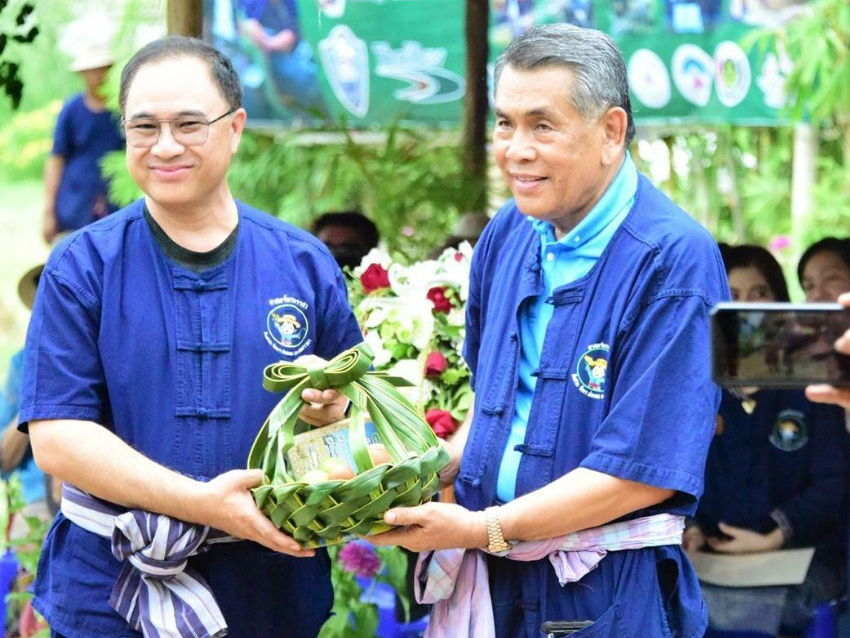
[76, 192]
[15, 452]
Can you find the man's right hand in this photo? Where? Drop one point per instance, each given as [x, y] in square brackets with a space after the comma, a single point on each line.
[823, 393]
[225, 503]
[50, 226]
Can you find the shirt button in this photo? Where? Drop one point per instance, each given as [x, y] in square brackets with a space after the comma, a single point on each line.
[202, 412]
[576, 239]
[550, 256]
[199, 285]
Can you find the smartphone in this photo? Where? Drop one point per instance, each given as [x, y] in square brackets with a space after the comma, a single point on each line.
[778, 345]
[557, 628]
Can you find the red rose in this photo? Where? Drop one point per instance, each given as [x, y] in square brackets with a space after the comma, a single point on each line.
[435, 364]
[375, 277]
[437, 295]
[441, 422]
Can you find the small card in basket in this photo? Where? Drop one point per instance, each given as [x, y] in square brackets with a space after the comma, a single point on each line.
[311, 448]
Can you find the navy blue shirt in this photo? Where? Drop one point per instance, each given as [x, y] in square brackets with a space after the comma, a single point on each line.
[172, 362]
[82, 138]
[623, 387]
[789, 455]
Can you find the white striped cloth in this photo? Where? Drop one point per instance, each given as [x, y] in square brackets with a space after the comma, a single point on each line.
[156, 593]
[456, 583]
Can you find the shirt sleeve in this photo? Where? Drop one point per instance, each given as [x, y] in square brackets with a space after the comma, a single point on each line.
[63, 375]
[340, 329]
[663, 405]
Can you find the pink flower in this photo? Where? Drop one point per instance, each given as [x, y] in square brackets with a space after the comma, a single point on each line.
[359, 558]
[374, 278]
[437, 295]
[435, 364]
[441, 422]
[779, 242]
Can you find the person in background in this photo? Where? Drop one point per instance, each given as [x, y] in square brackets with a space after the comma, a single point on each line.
[824, 269]
[587, 333]
[15, 450]
[75, 191]
[273, 28]
[776, 477]
[349, 235]
[142, 385]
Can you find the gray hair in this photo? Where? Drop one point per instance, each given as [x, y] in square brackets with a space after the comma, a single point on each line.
[593, 57]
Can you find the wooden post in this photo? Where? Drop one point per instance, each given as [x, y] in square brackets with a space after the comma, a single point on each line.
[185, 17]
[476, 102]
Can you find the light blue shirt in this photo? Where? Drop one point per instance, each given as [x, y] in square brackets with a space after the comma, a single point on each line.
[563, 261]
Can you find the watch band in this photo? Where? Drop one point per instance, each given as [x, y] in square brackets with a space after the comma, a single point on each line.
[496, 543]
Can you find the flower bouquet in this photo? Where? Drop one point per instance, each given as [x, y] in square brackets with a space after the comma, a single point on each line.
[413, 318]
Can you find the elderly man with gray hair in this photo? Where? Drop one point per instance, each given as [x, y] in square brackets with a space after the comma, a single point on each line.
[587, 334]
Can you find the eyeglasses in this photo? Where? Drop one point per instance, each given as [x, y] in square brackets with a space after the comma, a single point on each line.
[188, 130]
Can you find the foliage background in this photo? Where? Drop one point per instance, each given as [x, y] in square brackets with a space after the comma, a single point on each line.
[736, 181]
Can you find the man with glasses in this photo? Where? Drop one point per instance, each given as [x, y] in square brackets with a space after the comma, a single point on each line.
[143, 374]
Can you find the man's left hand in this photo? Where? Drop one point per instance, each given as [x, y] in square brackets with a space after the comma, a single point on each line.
[433, 526]
[321, 407]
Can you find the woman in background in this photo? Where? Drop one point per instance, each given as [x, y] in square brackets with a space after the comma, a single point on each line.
[776, 477]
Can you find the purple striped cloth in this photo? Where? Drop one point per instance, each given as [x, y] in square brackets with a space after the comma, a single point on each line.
[156, 593]
[455, 582]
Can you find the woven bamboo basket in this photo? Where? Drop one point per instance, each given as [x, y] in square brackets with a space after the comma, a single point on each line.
[334, 511]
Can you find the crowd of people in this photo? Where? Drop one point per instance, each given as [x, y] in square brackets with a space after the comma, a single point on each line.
[599, 452]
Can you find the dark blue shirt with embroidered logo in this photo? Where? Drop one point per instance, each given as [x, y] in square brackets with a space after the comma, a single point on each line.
[171, 360]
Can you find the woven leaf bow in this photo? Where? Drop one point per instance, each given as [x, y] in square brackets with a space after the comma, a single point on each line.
[334, 511]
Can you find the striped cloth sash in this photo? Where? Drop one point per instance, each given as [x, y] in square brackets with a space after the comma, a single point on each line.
[156, 592]
[455, 581]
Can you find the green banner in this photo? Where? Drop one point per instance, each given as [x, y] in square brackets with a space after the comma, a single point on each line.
[375, 61]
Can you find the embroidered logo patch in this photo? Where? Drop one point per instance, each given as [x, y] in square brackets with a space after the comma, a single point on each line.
[287, 328]
[790, 432]
[591, 369]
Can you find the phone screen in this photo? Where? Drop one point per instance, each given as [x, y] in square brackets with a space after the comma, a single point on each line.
[778, 344]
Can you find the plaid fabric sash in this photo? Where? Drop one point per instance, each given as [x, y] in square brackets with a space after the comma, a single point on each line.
[455, 581]
[156, 593]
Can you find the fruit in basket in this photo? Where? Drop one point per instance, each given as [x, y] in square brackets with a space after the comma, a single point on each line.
[379, 455]
[314, 476]
[337, 469]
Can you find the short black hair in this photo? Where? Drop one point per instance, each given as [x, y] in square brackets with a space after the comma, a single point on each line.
[353, 219]
[178, 46]
[838, 245]
[760, 258]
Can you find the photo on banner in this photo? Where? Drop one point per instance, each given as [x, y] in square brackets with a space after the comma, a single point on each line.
[371, 62]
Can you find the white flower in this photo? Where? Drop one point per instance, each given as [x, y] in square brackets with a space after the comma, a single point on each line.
[409, 369]
[456, 317]
[382, 355]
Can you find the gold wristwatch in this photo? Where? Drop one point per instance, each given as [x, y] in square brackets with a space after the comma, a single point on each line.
[495, 541]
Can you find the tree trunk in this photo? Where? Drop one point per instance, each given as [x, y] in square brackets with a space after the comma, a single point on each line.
[476, 103]
[802, 180]
[185, 17]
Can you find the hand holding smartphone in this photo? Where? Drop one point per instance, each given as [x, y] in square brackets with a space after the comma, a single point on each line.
[779, 345]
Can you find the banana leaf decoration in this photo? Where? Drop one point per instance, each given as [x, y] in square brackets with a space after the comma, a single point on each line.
[334, 511]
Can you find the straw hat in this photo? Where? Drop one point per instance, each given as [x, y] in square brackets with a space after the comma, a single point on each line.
[91, 56]
[28, 284]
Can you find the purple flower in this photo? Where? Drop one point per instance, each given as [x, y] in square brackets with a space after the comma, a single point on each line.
[359, 558]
